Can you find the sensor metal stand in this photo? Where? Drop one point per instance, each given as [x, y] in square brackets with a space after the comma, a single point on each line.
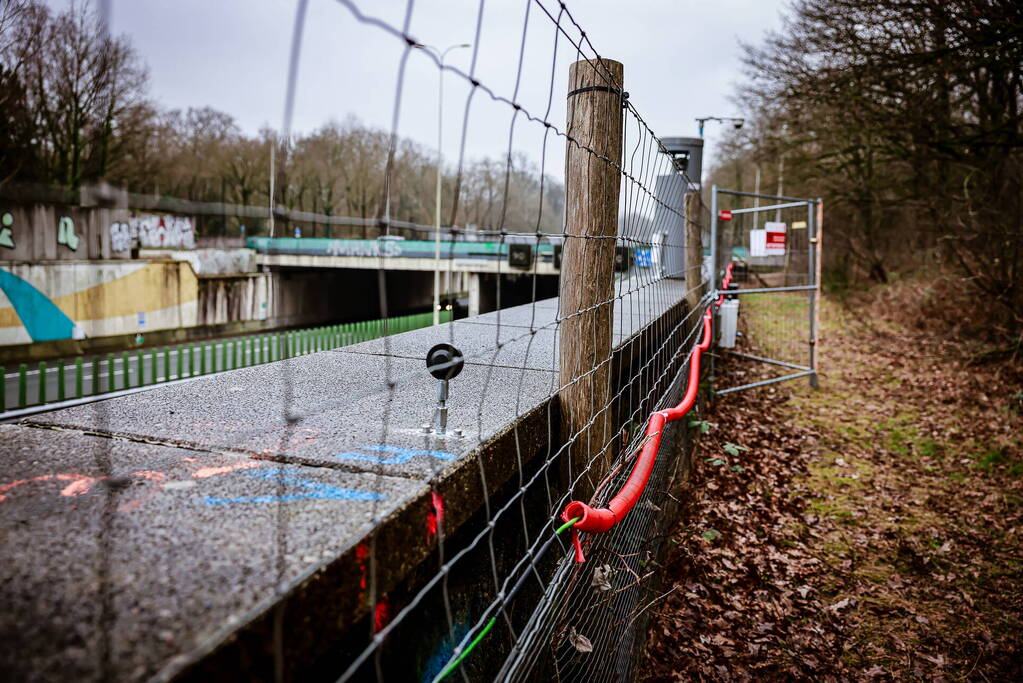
[444, 362]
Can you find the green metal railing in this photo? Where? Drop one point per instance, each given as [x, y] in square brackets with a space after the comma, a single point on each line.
[78, 378]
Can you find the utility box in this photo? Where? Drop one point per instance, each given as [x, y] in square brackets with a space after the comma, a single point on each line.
[669, 221]
[669, 214]
[729, 323]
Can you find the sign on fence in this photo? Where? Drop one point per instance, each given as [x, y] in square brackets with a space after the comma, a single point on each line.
[768, 242]
[775, 238]
[725, 214]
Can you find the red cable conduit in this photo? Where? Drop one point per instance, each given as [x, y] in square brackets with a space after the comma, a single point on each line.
[598, 521]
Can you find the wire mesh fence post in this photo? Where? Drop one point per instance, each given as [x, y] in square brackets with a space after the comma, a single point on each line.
[694, 251]
[713, 281]
[587, 269]
[815, 222]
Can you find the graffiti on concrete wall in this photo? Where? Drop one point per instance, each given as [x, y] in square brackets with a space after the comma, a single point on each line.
[386, 248]
[70, 300]
[66, 233]
[120, 237]
[152, 231]
[7, 231]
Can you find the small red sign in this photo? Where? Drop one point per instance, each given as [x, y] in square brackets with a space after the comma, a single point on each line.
[725, 214]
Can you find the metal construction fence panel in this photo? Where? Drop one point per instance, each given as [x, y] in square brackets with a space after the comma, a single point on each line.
[773, 244]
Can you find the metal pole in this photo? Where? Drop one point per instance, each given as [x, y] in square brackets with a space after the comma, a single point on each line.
[713, 260]
[811, 271]
[437, 202]
[273, 173]
[756, 200]
[713, 238]
[441, 56]
[781, 174]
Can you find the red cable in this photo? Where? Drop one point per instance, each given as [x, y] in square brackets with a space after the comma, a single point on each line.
[600, 520]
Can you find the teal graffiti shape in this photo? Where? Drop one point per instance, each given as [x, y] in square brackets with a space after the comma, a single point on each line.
[40, 316]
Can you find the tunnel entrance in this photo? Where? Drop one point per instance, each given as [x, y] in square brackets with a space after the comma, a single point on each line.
[324, 296]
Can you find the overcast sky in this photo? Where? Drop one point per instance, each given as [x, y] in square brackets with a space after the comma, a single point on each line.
[681, 57]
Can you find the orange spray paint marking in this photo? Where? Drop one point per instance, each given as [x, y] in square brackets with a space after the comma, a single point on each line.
[15, 484]
[81, 483]
[434, 516]
[79, 487]
[205, 472]
[294, 440]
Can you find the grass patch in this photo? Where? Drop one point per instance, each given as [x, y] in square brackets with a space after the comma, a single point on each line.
[835, 509]
[929, 447]
[993, 458]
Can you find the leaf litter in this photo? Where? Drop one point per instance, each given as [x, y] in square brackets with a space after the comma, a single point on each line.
[874, 531]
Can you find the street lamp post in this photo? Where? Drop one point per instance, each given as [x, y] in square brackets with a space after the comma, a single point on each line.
[441, 55]
[720, 119]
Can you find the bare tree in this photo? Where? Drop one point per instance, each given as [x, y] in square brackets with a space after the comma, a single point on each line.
[906, 114]
[80, 84]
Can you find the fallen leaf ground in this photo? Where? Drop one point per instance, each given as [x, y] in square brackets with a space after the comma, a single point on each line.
[872, 529]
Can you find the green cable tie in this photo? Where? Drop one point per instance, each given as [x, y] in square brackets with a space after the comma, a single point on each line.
[566, 525]
[465, 653]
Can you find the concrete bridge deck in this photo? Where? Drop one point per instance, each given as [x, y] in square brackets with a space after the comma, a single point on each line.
[194, 529]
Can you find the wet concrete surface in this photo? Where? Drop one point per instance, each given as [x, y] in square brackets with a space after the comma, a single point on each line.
[358, 412]
[119, 555]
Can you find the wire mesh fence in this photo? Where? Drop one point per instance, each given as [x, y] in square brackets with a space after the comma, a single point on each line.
[512, 545]
[553, 408]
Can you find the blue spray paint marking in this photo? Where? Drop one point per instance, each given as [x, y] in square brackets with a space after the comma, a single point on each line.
[42, 319]
[439, 659]
[314, 490]
[393, 455]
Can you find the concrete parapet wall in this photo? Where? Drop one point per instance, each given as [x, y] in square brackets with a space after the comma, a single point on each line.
[58, 300]
[65, 232]
[254, 523]
[209, 261]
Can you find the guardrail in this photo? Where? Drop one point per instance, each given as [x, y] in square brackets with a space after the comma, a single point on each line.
[85, 378]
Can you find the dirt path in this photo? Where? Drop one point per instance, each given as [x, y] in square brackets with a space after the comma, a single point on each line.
[872, 529]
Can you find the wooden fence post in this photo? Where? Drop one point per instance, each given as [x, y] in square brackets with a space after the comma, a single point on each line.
[694, 253]
[587, 269]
